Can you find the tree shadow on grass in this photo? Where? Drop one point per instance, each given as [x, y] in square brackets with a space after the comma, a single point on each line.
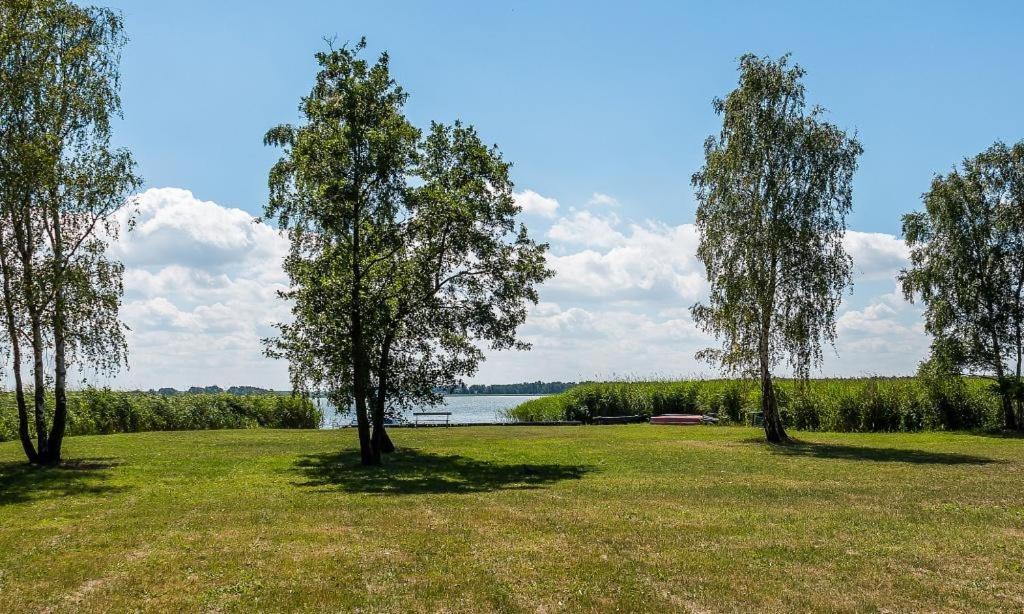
[867, 453]
[407, 471]
[1000, 434]
[20, 482]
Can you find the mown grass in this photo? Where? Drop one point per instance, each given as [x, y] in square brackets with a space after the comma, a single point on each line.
[635, 518]
[868, 404]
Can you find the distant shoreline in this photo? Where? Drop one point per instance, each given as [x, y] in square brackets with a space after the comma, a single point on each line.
[495, 394]
[501, 394]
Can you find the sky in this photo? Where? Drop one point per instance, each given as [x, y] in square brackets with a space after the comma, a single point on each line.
[602, 107]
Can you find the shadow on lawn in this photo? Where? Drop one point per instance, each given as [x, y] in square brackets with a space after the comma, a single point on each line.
[865, 453]
[409, 471]
[1000, 434]
[21, 482]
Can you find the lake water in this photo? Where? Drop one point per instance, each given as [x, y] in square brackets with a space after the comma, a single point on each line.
[465, 408]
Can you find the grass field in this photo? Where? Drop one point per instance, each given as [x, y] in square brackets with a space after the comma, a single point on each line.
[634, 517]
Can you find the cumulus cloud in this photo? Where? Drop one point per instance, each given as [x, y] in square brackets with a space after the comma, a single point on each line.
[200, 292]
[885, 336]
[649, 262]
[653, 264]
[876, 255]
[585, 228]
[201, 282]
[535, 204]
[876, 319]
[576, 343]
[622, 291]
[172, 227]
[597, 199]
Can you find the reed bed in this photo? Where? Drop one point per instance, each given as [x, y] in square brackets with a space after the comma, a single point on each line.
[102, 411]
[870, 404]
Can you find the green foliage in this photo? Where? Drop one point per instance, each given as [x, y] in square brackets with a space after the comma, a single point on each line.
[803, 412]
[949, 395]
[773, 194]
[967, 266]
[338, 191]
[408, 258]
[543, 409]
[101, 411]
[927, 402]
[62, 181]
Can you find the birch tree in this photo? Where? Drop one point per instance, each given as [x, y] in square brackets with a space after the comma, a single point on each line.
[773, 196]
[61, 182]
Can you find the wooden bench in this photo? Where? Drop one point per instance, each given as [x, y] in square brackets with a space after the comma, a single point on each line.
[432, 417]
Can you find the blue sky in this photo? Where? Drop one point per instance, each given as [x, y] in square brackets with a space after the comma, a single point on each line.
[612, 97]
[602, 107]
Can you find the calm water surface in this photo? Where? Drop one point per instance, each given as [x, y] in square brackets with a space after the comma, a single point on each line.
[467, 408]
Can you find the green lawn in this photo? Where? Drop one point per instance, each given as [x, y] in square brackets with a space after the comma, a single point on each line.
[516, 519]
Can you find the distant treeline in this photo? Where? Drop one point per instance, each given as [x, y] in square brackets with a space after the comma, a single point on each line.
[846, 405]
[523, 388]
[236, 390]
[101, 411]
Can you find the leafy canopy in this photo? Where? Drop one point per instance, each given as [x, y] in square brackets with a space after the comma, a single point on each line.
[338, 191]
[406, 257]
[773, 198]
[61, 181]
[967, 263]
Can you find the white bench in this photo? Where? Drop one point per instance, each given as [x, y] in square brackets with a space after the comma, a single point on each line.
[432, 417]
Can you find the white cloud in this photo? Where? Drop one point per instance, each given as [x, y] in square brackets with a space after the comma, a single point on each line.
[585, 228]
[175, 228]
[200, 292]
[201, 282]
[886, 336]
[876, 318]
[575, 343]
[653, 262]
[534, 203]
[876, 255]
[621, 299]
[597, 199]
